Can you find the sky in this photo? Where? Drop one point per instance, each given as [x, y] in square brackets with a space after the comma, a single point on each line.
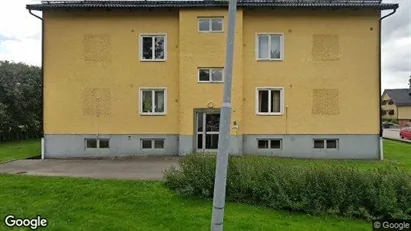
[20, 39]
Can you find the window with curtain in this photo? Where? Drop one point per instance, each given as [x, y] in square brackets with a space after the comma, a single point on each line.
[153, 47]
[210, 75]
[153, 101]
[214, 24]
[269, 46]
[269, 101]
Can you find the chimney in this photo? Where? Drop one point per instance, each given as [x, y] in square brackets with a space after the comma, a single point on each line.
[409, 89]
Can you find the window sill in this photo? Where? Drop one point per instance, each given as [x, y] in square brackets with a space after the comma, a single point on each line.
[153, 114]
[212, 82]
[269, 114]
[212, 32]
[264, 149]
[153, 60]
[269, 60]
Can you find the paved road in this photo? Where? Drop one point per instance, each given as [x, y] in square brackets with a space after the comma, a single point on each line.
[142, 168]
[393, 134]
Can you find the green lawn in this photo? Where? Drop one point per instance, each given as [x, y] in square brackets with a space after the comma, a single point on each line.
[396, 154]
[15, 150]
[86, 204]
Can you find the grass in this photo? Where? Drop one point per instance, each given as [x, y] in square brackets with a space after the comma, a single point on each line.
[91, 204]
[397, 154]
[22, 149]
[85, 204]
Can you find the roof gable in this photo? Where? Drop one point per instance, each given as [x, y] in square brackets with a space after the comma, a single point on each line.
[400, 97]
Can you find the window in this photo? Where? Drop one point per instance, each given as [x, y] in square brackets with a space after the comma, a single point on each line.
[153, 101]
[325, 143]
[390, 102]
[210, 75]
[384, 102]
[269, 143]
[153, 47]
[91, 143]
[391, 112]
[152, 143]
[210, 24]
[270, 101]
[383, 112]
[104, 143]
[97, 143]
[270, 47]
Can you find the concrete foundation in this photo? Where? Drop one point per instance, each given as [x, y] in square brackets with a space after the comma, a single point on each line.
[299, 146]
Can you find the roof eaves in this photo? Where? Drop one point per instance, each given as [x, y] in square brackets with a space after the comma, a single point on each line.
[209, 3]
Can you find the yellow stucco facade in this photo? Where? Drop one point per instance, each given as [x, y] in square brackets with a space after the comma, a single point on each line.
[93, 71]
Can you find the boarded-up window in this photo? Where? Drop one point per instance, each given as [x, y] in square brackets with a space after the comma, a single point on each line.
[326, 102]
[97, 47]
[326, 47]
[96, 101]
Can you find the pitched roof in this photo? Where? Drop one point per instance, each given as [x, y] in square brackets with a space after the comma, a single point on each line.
[107, 4]
[400, 97]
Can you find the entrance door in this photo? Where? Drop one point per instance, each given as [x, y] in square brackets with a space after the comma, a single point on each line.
[207, 128]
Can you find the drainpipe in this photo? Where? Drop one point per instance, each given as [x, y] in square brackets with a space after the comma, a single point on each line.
[379, 82]
[42, 80]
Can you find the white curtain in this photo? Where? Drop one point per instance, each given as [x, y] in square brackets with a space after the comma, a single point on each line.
[159, 101]
[275, 48]
[263, 46]
[275, 101]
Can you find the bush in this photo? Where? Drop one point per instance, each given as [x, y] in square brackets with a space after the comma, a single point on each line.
[310, 188]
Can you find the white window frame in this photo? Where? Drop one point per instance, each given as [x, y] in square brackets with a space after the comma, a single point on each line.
[269, 143]
[210, 71]
[324, 140]
[152, 89]
[210, 25]
[153, 140]
[153, 35]
[97, 143]
[281, 89]
[269, 46]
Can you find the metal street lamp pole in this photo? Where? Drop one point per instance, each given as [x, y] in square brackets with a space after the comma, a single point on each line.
[225, 126]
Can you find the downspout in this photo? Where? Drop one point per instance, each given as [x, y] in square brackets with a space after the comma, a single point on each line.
[42, 81]
[379, 81]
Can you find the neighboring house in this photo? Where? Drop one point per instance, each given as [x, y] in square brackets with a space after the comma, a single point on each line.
[146, 78]
[396, 104]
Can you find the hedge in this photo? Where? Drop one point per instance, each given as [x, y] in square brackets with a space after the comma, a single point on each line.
[309, 188]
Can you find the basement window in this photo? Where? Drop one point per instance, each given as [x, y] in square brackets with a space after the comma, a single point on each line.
[152, 144]
[325, 143]
[97, 143]
[269, 143]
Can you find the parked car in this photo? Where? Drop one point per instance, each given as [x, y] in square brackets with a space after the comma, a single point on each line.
[388, 124]
[405, 133]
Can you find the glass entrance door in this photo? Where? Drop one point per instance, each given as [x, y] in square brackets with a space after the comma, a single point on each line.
[208, 126]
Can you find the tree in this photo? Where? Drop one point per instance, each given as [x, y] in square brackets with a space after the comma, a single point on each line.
[20, 101]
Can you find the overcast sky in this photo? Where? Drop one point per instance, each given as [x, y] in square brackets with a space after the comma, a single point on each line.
[20, 39]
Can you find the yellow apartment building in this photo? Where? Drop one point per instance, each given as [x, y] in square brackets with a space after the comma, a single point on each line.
[146, 77]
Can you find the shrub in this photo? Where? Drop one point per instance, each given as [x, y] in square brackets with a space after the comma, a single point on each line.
[310, 188]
